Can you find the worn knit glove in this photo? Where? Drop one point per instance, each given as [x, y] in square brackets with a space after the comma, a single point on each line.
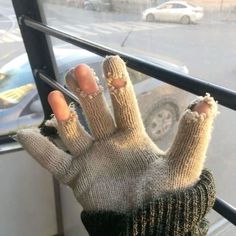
[118, 167]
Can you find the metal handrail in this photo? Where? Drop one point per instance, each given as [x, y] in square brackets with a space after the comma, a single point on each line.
[226, 210]
[225, 97]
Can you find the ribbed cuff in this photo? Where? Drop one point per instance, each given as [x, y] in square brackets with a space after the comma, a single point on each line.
[176, 214]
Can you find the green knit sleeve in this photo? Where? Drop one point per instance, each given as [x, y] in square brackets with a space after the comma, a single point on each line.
[175, 214]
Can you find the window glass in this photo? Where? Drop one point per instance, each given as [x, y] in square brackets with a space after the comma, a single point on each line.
[220, 226]
[197, 45]
[201, 45]
[17, 86]
[193, 5]
[178, 6]
[166, 6]
[34, 102]
[190, 40]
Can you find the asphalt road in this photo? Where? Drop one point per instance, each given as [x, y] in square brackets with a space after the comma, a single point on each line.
[208, 49]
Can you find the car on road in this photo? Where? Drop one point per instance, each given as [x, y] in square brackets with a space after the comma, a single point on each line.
[97, 5]
[20, 107]
[174, 11]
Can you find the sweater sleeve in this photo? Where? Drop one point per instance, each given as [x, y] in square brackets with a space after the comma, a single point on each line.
[180, 213]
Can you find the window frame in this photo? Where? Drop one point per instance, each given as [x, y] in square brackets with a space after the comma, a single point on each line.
[35, 36]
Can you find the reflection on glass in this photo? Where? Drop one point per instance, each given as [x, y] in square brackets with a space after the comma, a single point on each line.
[18, 96]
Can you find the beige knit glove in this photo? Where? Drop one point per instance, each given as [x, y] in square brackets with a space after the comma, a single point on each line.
[118, 167]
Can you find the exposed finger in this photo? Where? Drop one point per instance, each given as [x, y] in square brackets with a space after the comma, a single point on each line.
[82, 82]
[72, 133]
[188, 151]
[86, 79]
[126, 111]
[45, 152]
[201, 107]
[59, 106]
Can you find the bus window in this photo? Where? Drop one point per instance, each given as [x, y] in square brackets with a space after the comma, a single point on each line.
[17, 86]
[193, 39]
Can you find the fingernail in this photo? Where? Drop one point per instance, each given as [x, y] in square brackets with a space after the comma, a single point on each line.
[201, 107]
[59, 106]
[86, 79]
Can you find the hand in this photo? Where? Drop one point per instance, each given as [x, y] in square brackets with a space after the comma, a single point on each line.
[118, 167]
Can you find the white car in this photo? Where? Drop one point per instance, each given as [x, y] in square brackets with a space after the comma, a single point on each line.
[174, 11]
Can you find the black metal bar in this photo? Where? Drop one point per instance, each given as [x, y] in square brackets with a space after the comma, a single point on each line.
[37, 47]
[71, 97]
[57, 196]
[225, 97]
[40, 54]
[10, 147]
[54, 84]
[226, 210]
